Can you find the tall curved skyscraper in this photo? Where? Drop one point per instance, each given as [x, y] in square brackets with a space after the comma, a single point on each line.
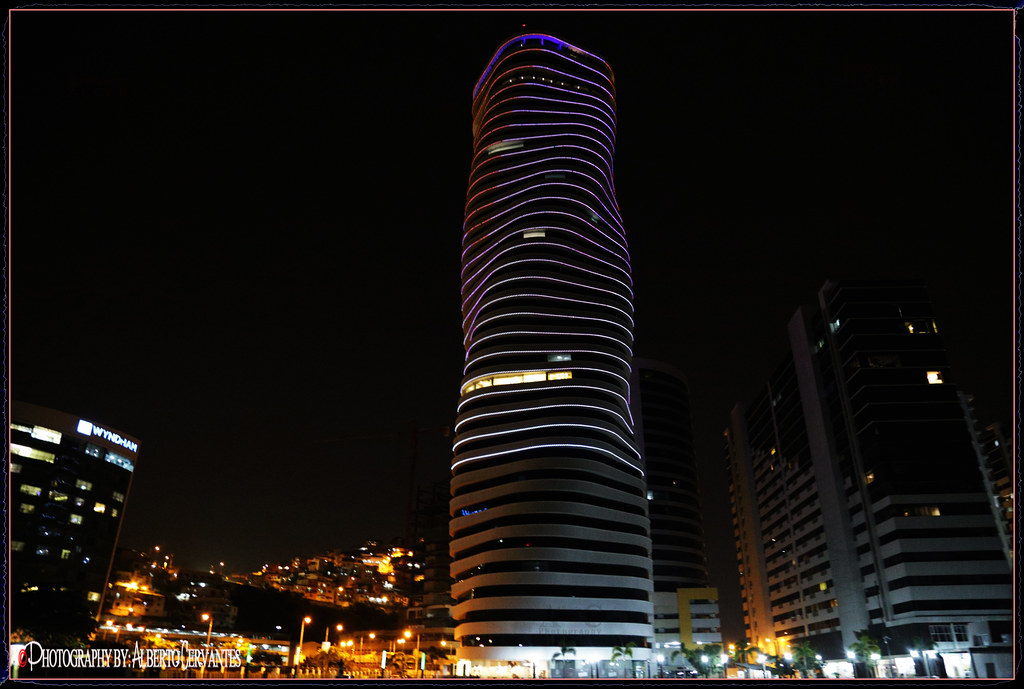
[550, 533]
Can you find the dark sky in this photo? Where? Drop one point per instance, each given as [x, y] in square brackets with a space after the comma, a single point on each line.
[235, 235]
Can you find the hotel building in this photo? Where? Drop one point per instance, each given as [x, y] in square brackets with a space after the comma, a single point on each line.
[69, 482]
[857, 496]
[551, 546]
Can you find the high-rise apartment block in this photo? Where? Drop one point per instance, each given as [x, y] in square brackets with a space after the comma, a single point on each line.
[685, 608]
[551, 546]
[857, 495]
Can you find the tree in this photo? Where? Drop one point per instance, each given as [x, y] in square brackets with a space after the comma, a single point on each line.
[565, 651]
[804, 654]
[864, 647]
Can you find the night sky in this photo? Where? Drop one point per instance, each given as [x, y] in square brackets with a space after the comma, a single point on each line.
[235, 235]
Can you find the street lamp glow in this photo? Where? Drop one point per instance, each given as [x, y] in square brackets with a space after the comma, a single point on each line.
[851, 655]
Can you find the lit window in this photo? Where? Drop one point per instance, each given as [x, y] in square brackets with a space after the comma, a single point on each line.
[31, 490]
[650, 495]
[869, 477]
[83, 485]
[93, 450]
[534, 377]
[507, 380]
[113, 512]
[834, 325]
[26, 508]
[32, 453]
[79, 502]
[16, 468]
[559, 375]
[823, 586]
[75, 519]
[934, 377]
[120, 461]
[118, 496]
[99, 507]
[503, 146]
[47, 434]
[530, 234]
[17, 546]
[42, 550]
[19, 427]
[57, 496]
[65, 554]
[93, 596]
[559, 357]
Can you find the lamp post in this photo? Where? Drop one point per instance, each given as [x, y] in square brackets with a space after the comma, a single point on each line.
[762, 658]
[724, 658]
[661, 659]
[302, 634]
[888, 657]
[209, 630]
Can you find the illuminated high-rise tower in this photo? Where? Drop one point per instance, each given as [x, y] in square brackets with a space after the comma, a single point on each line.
[550, 533]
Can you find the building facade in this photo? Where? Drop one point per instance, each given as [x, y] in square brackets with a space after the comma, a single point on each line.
[660, 404]
[857, 496]
[551, 544]
[69, 483]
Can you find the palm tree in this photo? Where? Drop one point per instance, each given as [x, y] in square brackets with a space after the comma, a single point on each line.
[565, 651]
[803, 653]
[623, 652]
[864, 647]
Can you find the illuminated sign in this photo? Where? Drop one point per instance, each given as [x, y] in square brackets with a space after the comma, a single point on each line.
[89, 428]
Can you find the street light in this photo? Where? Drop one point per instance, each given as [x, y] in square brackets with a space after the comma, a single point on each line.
[302, 633]
[762, 658]
[724, 658]
[209, 630]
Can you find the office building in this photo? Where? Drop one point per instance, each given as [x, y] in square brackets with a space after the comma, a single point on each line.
[69, 483]
[551, 543]
[857, 497]
[685, 609]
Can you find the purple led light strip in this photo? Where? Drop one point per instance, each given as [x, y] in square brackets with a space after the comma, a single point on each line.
[543, 37]
[513, 234]
[523, 216]
[563, 135]
[479, 436]
[499, 76]
[476, 359]
[539, 101]
[545, 315]
[601, 305]
[546, 278]
[538, 173]
[556, 184]
[477, 179]
[466, 281]
[519, 410]
[475, 343]
[485, 281]
[546, 445]
[609, 125]
[482, 393]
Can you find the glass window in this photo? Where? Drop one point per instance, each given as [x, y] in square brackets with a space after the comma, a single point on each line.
[113, 512]
[934, 377]
[99, 507]
[79, 502]
[30, 490]
[93, 596]
[15, 468]
[19, 427]
[65, 554]
[47, 434]
[75, 519]
[83, 485]
[559, 375]
[26, 508]
[530, 234]
[120, 461]
[559, 357]
[42, 550]
[118, 496]
[57, 496]
[17, 546]
[93, 450]
[32, 453]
